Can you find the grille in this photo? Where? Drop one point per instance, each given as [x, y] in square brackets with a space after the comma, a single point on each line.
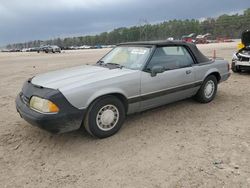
[244, 59]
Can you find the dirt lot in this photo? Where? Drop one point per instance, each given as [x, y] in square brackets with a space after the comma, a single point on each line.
[185, 144]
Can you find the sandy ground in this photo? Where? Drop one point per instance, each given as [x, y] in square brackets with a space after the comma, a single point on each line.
[185, 144]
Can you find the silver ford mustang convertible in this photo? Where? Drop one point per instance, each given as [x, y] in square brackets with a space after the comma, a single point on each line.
[131, 78]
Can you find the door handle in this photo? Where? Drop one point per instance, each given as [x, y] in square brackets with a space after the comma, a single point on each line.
[188, 72]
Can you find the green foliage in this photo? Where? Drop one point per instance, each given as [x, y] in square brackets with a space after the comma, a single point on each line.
[230, 26]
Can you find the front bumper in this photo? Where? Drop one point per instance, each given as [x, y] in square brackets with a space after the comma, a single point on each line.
[242, 63]
[67, 119]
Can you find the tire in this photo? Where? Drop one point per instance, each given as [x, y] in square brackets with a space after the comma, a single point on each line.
[235, 69]
[104, 117]
[204, 95]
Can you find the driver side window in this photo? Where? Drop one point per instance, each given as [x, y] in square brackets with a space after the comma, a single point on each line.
[171, 57]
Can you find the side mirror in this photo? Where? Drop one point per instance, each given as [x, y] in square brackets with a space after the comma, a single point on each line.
[156, 70]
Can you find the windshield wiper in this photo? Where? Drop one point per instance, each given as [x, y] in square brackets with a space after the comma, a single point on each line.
[115, 64]
[100, 62]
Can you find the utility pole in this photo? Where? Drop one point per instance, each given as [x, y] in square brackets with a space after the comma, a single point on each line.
[143, 23]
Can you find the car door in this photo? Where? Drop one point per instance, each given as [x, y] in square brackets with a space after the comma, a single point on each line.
[174, 83]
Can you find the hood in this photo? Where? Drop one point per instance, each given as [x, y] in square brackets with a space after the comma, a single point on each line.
[245, 38]
[83, 74]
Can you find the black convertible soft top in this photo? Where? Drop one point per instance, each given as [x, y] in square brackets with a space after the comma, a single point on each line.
[200, 58]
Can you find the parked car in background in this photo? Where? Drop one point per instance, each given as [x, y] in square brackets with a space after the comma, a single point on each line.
[5, 50]
[25, 50]
[241, 59]
[189, 38]
[131, 78]
[49, 49]
[34, 49]
[14, 50]
[202, 39]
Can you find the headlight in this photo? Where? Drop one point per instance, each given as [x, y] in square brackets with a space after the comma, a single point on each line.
[235, 57]
[43, 105]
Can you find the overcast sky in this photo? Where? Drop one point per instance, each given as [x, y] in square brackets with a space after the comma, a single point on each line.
[25, 20]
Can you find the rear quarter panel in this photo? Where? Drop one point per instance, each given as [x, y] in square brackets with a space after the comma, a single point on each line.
[204, 69]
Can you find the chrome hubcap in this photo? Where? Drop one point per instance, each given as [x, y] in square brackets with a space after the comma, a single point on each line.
[209, 89]
[107, 117]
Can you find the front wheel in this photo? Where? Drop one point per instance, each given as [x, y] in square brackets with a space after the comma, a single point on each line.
[105, 117]
[208, 90]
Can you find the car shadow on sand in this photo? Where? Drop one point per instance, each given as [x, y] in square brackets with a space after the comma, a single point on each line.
[132, 122]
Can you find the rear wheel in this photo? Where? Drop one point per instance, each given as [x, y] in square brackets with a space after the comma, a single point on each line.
[105, 117]
[208, 90]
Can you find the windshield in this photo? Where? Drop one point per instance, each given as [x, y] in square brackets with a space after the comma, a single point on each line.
[127, 56]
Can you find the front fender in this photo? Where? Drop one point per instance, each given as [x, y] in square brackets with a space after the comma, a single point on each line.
[105, 91]
[81, 95]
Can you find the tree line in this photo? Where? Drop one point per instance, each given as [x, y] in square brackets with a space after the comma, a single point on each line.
[230, 26]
